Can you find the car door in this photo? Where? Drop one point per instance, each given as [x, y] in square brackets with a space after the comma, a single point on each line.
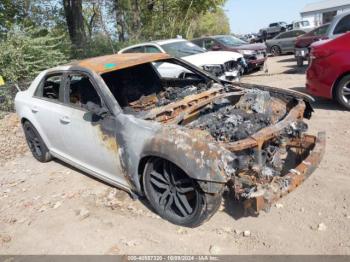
[90, 141]
[47, 107]
[285, 41]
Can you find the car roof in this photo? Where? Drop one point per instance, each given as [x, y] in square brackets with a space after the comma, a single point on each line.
[169, 41]
[108, 63]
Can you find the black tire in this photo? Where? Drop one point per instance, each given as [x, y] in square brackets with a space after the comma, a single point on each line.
[275, 50]
[175, 196]
[342, 92]
[300, 61]
[35, 143]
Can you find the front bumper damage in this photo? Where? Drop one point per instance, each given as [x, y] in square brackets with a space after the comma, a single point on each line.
[255, 140]
[271, 193]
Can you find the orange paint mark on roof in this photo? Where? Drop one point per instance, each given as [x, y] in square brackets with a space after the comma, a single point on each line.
[108, 63]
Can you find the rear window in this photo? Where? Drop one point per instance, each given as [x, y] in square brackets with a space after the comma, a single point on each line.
[51, 88]
[139, 49]
[320, 31]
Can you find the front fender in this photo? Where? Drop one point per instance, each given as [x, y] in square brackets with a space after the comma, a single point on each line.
[193, 152]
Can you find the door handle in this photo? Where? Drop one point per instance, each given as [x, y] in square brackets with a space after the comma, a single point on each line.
[65, 120]
[35, 109]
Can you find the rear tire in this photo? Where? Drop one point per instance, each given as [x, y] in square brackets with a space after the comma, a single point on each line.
[35, 143]
[300, 61]
[342, 92]
[175, 196]
[275, 50]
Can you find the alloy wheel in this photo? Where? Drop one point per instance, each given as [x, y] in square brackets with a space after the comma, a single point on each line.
[33, 141]
[175, 193]
[345, 91]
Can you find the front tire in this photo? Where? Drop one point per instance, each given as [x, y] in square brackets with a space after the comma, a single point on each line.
[35, 143]
[175, 196]
[342, 92]
[276, 50]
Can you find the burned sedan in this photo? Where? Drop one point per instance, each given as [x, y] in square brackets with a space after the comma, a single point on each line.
[179, 142]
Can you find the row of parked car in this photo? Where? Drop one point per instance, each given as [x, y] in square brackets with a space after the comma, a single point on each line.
[224, 56]
[299, 41]
[227, 57]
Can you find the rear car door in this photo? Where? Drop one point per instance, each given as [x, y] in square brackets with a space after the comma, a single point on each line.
[282, 40]
[90, 140]
[47, 108]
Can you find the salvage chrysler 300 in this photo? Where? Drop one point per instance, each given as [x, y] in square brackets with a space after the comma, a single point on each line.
[179, 142]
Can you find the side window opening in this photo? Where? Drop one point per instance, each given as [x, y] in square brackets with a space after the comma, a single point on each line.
[138, 49]
[151, 49]
[130, 84]
[208, 44]
[81, 91]
[50, 88]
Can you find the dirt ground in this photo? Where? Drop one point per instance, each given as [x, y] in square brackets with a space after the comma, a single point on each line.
[54, 209]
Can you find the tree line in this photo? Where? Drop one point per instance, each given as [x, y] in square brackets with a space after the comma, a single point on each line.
[37, 34]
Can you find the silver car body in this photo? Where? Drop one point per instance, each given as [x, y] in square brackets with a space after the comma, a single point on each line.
[285, 41]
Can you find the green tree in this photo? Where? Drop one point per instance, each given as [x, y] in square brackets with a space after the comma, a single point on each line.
[212, 23]
[25, 53]
[11, 12]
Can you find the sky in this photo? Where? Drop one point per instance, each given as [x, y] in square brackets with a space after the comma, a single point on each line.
[248, 16]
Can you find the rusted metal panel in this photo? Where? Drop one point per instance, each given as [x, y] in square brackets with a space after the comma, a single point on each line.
[296, 176]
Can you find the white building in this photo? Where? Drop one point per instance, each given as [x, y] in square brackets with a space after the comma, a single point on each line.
[323, 12]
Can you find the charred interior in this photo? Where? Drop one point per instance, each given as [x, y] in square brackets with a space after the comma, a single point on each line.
[242, 120]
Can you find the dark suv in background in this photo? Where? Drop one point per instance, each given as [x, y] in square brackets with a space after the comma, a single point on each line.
[254, 54]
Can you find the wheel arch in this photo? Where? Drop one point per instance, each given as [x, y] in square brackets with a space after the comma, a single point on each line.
[336, 82]
[36, 125]
[276, 45]
[214, 186]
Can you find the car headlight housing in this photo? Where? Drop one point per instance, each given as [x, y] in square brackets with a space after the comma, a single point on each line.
[216, 70]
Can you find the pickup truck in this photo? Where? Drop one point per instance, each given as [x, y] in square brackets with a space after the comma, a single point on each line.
[273, 30]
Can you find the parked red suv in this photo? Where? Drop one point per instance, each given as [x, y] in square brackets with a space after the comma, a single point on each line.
[303, 43]
[328, 75]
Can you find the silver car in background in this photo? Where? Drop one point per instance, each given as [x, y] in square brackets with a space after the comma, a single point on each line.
[284, 42]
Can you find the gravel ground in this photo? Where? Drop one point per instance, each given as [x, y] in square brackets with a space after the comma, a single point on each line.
[53, 208]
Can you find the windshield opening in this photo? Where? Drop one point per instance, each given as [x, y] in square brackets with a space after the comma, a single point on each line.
[230, 40]
[181, 49]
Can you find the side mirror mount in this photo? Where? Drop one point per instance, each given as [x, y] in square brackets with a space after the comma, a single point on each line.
[96, 109]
